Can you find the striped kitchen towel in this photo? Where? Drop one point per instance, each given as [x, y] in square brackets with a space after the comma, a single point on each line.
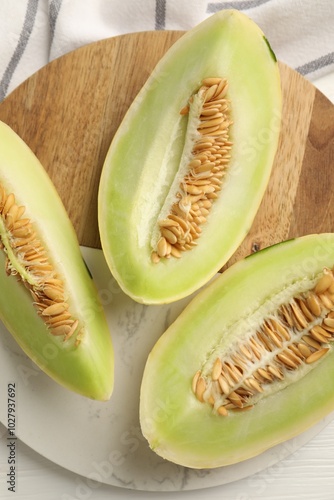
[33, 32]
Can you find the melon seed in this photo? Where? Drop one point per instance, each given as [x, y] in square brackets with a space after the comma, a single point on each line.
[27, 258]
[316, 355]
[208, 157]
[298, 334]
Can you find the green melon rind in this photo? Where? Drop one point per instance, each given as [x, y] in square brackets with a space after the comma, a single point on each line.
[87, 369]
[139, 165]
[185, 431]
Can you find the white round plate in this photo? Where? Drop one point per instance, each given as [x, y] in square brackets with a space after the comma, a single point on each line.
[103, 441]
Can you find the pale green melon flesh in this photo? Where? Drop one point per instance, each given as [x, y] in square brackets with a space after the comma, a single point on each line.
[183, 430]
[89, 367]
[144, 157]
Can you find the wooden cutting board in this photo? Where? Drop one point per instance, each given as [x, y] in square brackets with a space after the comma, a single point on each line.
[69, 111]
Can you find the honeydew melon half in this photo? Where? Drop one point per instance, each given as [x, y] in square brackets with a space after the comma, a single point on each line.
[48, 300]
[190, 428]
[149, 159]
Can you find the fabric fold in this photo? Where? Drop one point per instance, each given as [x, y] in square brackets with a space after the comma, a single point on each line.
[35, 32]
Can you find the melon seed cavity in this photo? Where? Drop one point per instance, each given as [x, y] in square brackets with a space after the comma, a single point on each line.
[206, 168]
[281, 350]
[27, 259]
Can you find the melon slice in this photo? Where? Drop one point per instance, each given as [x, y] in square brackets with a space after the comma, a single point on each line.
[188, 166]
[249, 363]
[48, 300]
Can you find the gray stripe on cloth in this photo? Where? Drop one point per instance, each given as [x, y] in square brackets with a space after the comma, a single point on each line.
[27, 28]
[242, 5]
[160, 14]
[54, 9]
[312, 66]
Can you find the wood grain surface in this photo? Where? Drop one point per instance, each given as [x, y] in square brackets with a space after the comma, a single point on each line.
[69, 111]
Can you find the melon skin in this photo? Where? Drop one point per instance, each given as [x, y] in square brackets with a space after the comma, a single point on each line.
[86, 368]
[183, 430]
[143, 159]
